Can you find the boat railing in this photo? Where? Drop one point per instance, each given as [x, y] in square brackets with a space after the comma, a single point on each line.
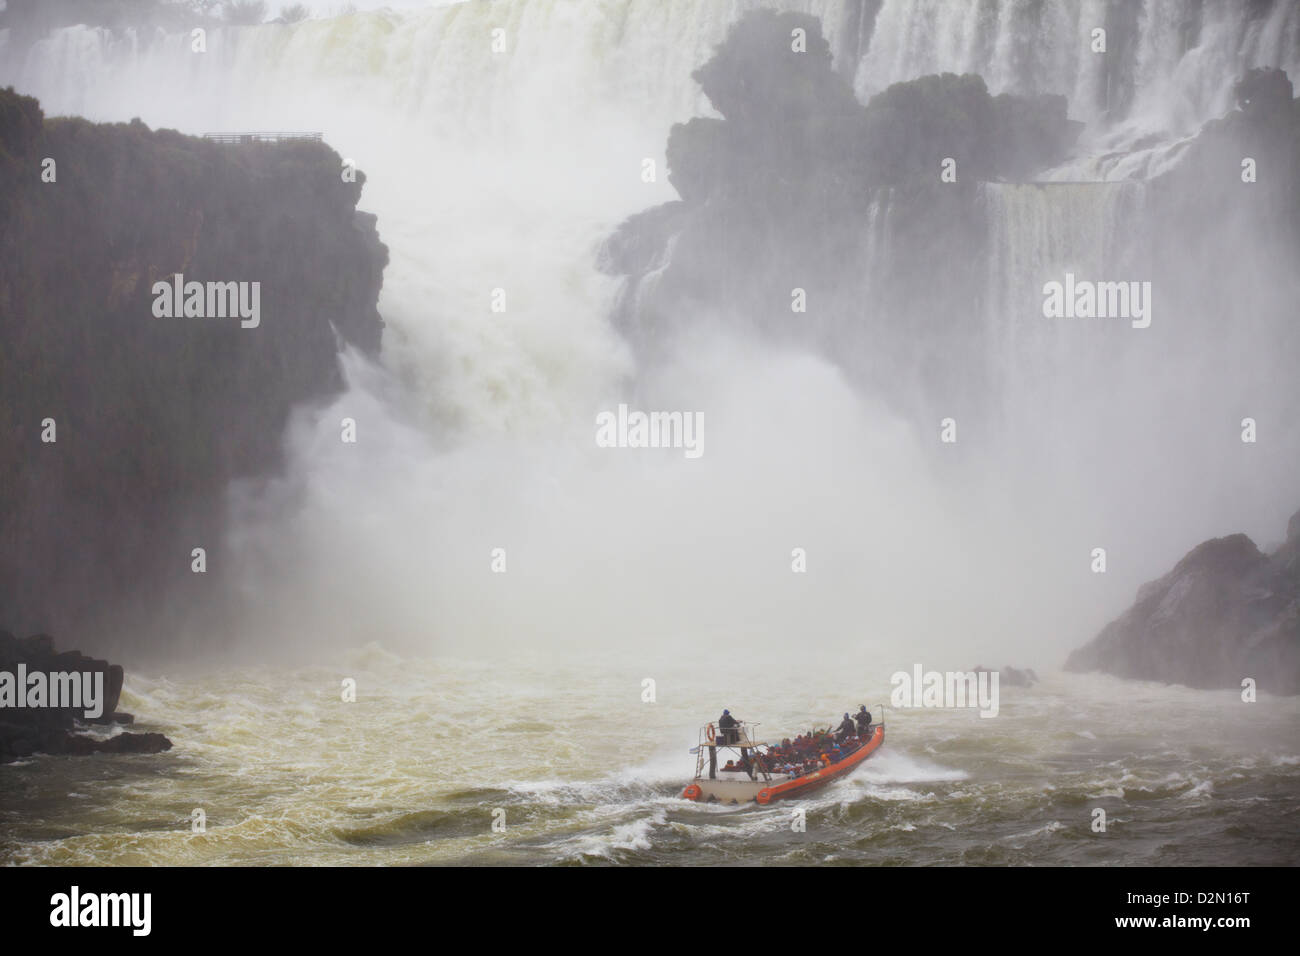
[742, 735]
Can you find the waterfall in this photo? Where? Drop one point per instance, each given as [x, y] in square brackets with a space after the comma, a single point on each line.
[1068, 392]
[1037, 234]
[1179, 59]
[504, 171]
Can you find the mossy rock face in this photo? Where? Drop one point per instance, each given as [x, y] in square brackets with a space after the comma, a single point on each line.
[155, 416]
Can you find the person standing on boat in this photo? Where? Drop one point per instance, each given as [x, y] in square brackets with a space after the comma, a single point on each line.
[728, 728]
[864, 721]
[846, 729]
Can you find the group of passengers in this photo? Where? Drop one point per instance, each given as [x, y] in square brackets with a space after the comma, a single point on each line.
[817, 749]
[808, 752]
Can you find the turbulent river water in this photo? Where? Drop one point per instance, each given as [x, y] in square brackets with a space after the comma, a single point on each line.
[506, 171]
[587, 772]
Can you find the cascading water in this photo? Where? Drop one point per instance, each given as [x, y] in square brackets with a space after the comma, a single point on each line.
[1040, 233]
[503, 171]
[482, 182]
[1179, 59]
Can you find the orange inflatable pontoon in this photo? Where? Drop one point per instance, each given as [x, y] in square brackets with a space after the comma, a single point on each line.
[714, 784]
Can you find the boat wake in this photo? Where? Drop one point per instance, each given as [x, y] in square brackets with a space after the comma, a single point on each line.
[636, 814]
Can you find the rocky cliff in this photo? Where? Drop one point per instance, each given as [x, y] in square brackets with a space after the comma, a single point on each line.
[801, 187]
[121, 429]
[1225, 612]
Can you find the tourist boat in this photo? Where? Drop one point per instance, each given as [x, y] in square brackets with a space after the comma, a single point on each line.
[713, 784]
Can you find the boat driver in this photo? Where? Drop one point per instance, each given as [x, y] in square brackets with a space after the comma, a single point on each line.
[727, 727]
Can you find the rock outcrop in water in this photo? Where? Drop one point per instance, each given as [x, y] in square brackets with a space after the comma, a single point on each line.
[120, 430]
[1011, 676]
[1225, 612]
[50, 730]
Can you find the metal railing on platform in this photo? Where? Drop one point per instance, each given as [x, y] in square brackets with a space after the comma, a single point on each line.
[742, 735]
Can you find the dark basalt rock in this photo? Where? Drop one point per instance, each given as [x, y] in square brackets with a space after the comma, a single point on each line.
[155, 417]
[1012, 676]
[50, 730]
[792, 188]
[1225, 612]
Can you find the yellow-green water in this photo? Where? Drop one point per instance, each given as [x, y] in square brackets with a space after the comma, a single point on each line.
[586, 771]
